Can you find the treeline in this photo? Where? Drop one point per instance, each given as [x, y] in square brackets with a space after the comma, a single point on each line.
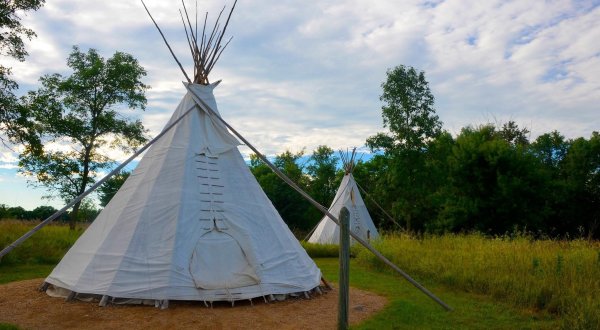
[489, 178]
[19, 213]
[318, 175]
[87, 214]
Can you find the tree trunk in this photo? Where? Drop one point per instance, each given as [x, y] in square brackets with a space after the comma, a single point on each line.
[73, 215]
[84, 181]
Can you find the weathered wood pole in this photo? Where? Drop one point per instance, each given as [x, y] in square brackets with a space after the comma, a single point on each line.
[344, 269]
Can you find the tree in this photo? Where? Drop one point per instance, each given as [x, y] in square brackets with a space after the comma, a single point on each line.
[409, 114]
[370, 175]
[407, 111]
[290, 205]
[513, 134]
[322, 181]
[12, 45]
[494, 186]
[110, 187]
[551, 149]
[73, 119]
[17, 212]
[574, 169]
[42, 212]
[322, 168]
[4, 214]
[87, 211]
[581, 175]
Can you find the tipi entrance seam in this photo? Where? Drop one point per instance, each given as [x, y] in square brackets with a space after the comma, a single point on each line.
[234, 272]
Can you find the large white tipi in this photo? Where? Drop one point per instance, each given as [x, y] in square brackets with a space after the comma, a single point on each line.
[348, 195]
[190, 223]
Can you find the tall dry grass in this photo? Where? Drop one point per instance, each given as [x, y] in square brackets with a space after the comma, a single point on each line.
[562, 277]
[315, 250]
[47, 246]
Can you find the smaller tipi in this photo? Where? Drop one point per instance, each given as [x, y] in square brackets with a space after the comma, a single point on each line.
[348, 195]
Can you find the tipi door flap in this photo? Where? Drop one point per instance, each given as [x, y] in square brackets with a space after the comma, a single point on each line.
[219, 262]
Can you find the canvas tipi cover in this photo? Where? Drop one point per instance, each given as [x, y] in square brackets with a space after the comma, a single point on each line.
[190, 223]
[328, 232]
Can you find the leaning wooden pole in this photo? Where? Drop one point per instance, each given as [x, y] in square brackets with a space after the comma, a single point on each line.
[316, 204]
[166, 43]
[58, 213]
[344, 277]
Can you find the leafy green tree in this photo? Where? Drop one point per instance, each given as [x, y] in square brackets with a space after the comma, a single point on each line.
[574, 197]
[514, 135]
[494, 186]
[42, 212]
[408, 111]
[409, 114]
[437, 167]
[288, 202]
[409, 183]
[87, 211]
[322, 182]
[369, 174]
[290, 205]
[581, 174]
[110, 187]
[12, 33]
[551, 148]
[75, 118]
[4, 212]
[17, 212]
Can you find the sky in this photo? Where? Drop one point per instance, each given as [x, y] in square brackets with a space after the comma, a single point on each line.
[299, 74]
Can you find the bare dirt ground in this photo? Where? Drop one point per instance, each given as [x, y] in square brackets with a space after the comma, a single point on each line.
[23, 305]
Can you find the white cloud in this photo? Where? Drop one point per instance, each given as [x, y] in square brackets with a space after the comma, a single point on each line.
[8, 166]
[8, 156]
[300, 74]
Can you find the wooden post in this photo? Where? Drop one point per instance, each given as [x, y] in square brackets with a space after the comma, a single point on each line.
[344, 284]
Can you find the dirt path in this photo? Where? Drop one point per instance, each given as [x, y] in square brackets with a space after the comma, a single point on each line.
[23, 305]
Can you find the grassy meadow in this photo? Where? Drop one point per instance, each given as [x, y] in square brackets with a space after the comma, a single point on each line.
[47, 246]
[560, 277]
[502, 283]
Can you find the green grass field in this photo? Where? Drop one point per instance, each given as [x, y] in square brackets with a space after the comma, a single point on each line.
[506, 283]
[558, 277]
[408, 308]
[47, 246]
